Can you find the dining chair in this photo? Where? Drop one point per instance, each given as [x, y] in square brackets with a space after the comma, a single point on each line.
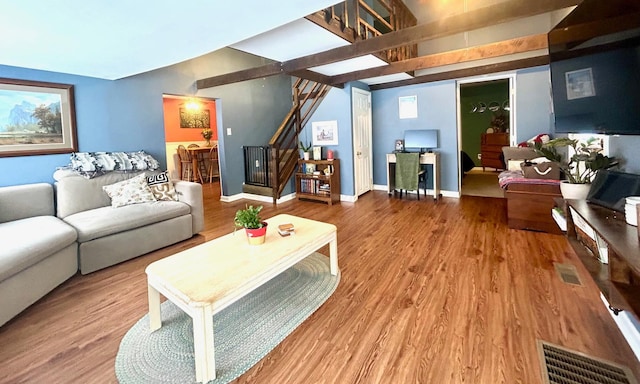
[212, 166]
[188, 173]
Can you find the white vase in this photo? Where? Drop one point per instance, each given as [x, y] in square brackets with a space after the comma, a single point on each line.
[574, 191]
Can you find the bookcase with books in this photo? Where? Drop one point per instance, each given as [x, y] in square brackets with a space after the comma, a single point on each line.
[318, 180]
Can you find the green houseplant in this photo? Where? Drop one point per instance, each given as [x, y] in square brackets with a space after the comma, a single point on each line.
[249, 219]
[305, 149]
[580, 167]
[583, 164]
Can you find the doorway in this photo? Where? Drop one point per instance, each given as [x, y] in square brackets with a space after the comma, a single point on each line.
[485, 115]
[185, 118]
[362, 132]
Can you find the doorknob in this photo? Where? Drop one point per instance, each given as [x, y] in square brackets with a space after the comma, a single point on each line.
[359, 153]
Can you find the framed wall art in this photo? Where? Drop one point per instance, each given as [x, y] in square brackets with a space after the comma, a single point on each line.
[36, 118]
[579, 84]
[325, 132]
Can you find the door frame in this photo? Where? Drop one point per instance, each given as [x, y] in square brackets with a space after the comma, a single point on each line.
[355, 90]
[512, 112]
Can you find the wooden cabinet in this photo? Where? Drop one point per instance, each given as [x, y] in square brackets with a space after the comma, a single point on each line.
[491, 149]
[318, 180]
[619, 280]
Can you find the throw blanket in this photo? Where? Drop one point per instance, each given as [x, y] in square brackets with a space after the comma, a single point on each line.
[92, 164]
[507, 177]
[407, 168]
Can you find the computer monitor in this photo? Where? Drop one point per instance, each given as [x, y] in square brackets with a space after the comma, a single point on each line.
[420, 140]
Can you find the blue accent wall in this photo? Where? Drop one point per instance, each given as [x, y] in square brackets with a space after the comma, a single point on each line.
[533, 103]
[337, 106]
[127, 115]
[436, 110]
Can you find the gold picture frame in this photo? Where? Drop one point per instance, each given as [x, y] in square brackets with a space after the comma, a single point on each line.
[36, 118]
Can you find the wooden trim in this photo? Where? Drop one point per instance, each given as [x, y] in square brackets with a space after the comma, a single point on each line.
[501, 48]
[482, 70]
[243, 75]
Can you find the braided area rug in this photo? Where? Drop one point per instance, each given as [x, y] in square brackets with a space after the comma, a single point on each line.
[244, 332]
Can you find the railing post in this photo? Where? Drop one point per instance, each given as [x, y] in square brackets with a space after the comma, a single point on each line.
[352, 11]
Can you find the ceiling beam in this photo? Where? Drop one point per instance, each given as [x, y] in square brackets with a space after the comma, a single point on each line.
[460, 73]
[315, 76]
[483, 17]
[501, 48]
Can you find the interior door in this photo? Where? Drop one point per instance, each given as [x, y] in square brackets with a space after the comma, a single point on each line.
[362, 132]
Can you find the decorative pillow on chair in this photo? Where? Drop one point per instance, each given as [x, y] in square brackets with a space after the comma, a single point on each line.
[132, 191]
[162, 187]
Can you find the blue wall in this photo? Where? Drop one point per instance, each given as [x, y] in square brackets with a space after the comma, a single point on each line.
[337, 106]
[127, 115]
[436, 110]
[533, 103]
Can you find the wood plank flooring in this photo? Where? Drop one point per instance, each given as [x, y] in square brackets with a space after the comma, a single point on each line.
[431, 292]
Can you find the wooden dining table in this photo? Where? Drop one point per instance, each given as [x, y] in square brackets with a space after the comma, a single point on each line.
[196, 153]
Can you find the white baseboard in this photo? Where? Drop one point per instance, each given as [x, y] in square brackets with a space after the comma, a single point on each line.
[261, 198]
[625, 323]
[456, 194]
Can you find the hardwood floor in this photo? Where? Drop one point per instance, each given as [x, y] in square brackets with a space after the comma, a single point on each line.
[431, 292]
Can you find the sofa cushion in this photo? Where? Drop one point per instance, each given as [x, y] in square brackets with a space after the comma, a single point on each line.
[162, 187]
[26, 242]
[131, 191]
[100, 222]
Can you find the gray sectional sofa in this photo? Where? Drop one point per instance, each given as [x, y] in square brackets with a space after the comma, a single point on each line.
[38, 251]
[107, 235]
[47, 234]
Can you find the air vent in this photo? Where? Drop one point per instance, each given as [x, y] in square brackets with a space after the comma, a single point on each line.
[562, 366]
[568, 273]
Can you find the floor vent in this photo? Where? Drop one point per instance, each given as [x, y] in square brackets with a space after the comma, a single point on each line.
[562, 366]
[568, 273]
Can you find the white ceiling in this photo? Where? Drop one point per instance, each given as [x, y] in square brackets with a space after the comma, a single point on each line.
[302, 38]
[119, 38]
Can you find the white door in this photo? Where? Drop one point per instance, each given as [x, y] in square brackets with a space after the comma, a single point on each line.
[362, 132]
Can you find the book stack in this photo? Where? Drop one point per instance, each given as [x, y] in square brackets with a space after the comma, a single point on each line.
[286, 229]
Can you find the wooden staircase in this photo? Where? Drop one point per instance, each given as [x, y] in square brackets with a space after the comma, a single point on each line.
[283, 146]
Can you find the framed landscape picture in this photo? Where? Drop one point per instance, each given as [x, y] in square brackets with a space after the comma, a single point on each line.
[36, 118]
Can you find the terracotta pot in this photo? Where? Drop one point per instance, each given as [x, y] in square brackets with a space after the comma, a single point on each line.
[258, 235]
[574, 191]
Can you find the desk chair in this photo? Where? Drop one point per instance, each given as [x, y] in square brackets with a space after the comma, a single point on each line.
[409, 175]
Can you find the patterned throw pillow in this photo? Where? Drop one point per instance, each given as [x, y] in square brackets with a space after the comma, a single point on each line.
[162, 187]
[131, 191]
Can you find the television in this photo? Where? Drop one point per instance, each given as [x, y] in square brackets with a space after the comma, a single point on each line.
[420, 140]
[594, 55]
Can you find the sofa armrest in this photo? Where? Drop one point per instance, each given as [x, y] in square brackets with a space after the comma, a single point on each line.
[191, 194]
[27, 200]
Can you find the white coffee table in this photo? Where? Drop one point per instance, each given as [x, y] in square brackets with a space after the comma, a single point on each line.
[207, 278]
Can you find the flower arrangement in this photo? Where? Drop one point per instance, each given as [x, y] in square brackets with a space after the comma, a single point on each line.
[207, 134]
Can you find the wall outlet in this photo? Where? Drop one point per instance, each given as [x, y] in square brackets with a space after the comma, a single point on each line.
[479, 156]
[228, 131]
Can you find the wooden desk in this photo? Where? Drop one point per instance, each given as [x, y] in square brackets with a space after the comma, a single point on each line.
[432, 158]
[205, 279]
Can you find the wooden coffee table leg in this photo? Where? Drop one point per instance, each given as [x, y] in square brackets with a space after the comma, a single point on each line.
[155, 318]
[203, 344]
[333, 256]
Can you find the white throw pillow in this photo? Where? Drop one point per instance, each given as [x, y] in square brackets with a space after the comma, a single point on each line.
[131, 191]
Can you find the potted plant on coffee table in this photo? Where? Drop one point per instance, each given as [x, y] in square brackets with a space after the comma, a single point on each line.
[249, 219]
[579, 168]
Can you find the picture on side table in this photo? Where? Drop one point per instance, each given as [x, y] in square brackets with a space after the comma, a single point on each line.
[36, 118]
